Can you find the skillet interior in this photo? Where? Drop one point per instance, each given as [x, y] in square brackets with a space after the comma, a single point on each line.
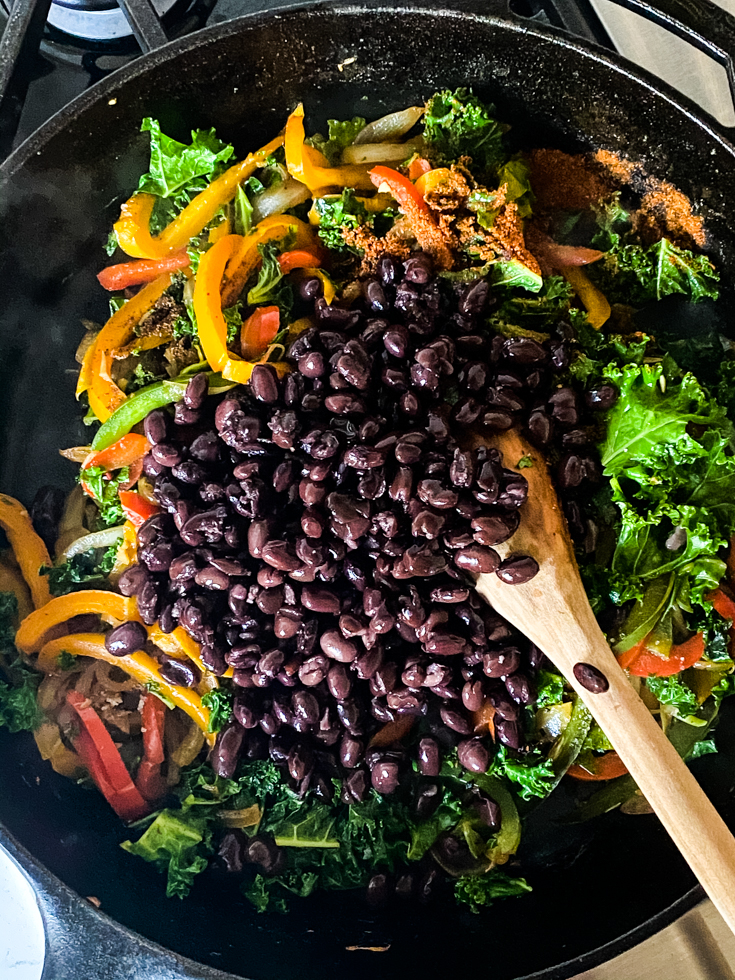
[591, 885]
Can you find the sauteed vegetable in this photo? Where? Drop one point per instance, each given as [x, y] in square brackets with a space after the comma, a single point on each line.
[258, 637]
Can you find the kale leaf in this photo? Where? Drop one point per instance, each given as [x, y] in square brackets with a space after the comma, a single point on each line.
[341, 134]
[338, 212]
[478, 891]
[86, 570]
[636, 274]
[178, 843]
[533, 773]
[550, 689]
[271, 287]
[19, 709]
[219, 703]
[458, 124]
[674, 692]
[180, 171]
[106, 493]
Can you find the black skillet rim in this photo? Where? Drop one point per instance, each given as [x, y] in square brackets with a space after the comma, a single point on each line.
[43, 880]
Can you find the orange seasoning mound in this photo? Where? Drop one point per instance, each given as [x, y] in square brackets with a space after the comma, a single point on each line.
[562, 181]
[620, 170]
[373, 247]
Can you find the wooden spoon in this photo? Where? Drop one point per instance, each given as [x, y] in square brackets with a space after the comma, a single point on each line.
[552, 610]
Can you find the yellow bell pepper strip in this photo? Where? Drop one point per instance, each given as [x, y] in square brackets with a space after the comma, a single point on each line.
[116, 277]
[113, 609]
[133, 228]
[312, 168]
[142, 667]
[222, 229]
[247, 257]
[29, 550]
[52, 749]
[425, 230]
[104, 395]
[598, 308]
[85, 373]
[179, 642]
[211, 325]
[241, 371]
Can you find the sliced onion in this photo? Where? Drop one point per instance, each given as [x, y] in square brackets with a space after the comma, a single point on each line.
[279, 198]
[77, 454]
[376, 153]
[90, 542]
[390, 127]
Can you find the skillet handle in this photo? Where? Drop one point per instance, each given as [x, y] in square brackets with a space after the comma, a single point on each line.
[702, 23]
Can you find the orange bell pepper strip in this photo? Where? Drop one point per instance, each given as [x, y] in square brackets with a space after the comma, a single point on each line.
[103, 760]
[425, 230]
[29, 550]
[311, 167]
[259, 330]
[246, 259]
[142, 667]
[392, 731]
[594, 302]
[113, 609]
[607, 766]
[133, 227]
[124, 452]
[136, 273]
[643, 662]
[104, 395]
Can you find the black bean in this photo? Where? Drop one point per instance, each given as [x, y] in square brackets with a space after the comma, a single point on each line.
[338, 647]
[418, 268]
[523, 350]
[155, 427]
[231, 851]
[227, 749]
[429, 757]
[184, 415]
[195, 392]
[132, 580]
[519, 688]
[384, 777]
[179, 673]
[378, 890]
[300, 761]
[476, 559]
[591, 678]
[517, 569]
[455, 720]
[338, 681]
[263, 851]
[350, 752]
[473, 695]
[487, 810]
[355, 787]
[126, 639]
[166, 454]
[508, 733]
[492, 529]
[314, 670]
[602, 398]
[501, 663]
[213, 658]
[264, 383]
[473, 755]
[474, 298]
[245, 711]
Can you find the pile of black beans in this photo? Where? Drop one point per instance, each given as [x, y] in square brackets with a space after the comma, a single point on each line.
[319, 532]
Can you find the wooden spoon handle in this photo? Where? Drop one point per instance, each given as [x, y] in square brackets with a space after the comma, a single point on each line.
[553, 611]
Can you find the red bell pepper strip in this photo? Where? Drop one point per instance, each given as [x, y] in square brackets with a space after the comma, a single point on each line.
[417, 167]
[149, 779]
[299, 258]
[136, 273]
[607, 766]
[259, 330]
[124, 452]
[418, 214]
[136, 508]
[723, 603]
[642, 662]
[106, 767]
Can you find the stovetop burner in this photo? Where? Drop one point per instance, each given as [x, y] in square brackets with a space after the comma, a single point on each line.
[97, 20]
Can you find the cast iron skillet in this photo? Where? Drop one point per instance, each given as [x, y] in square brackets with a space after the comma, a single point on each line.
[598, 888]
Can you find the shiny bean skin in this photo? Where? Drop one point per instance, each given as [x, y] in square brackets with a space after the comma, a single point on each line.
[473, 755]
[126, 639]
[429, 757]
[338, 647]
[227, 749]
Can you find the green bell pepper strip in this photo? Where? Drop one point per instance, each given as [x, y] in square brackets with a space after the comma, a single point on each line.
[508, 838]
[681, 735]
[135, 408]
[569, 744]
